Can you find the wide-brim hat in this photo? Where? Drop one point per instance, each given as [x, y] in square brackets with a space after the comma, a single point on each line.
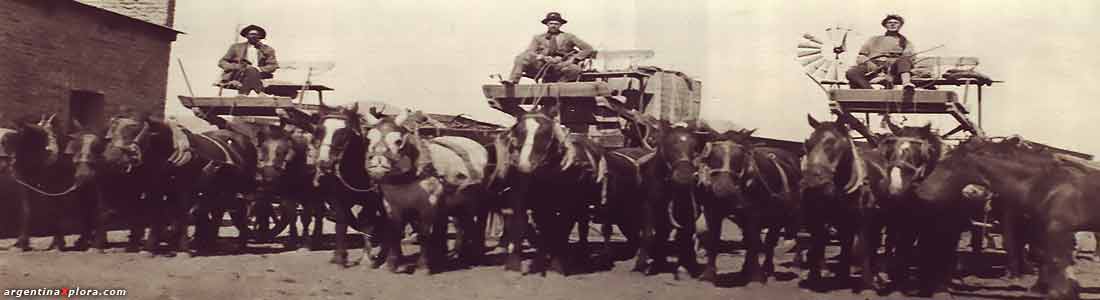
[893, 17]
[553, 16]
[246, 29]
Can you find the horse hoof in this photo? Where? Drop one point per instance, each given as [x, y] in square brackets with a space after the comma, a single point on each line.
[513, 265]
[708, 275]
[754, 284]
[145, 254]
[182, 254]
[94, 251]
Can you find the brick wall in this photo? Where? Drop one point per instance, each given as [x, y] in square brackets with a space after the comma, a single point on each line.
[152, 11]
[50, 48]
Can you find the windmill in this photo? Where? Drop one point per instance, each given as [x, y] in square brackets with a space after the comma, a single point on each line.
[312, 68]
[825, 57]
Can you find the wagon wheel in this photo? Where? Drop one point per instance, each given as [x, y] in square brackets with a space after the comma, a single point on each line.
[826, 57]
[267, 219]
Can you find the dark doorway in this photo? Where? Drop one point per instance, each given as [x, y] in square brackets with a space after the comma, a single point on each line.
[87, 108]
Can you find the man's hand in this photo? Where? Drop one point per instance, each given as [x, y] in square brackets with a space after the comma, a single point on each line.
[553, 59]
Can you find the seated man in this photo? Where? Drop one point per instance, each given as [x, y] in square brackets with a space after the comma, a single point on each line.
[552, 56]
[891, 52]
[246, 63]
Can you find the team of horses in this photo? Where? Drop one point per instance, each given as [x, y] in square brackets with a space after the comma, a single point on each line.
[896, 207]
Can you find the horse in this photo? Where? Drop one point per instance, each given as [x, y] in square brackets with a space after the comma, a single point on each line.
[670, 179]
[624, 192]
[911, 153]
[284, 174]
[27, 163]
[432, 178]
[553, 174]
[84, 151]
[842, 185]
[1057, 195]
[758, 188]
[178, 172]
[340, 177]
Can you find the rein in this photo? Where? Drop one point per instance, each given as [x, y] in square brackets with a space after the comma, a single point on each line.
[31, 187]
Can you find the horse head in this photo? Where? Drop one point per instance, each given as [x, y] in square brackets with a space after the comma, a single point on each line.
[1005, 164]
[275, 152]
[336, 130]
[911, 153]
[393, 147]
[128, 141]
[9, 145]
[678, 147]
[535, 141]
[85, 148]
[830, 157]
[726, 163]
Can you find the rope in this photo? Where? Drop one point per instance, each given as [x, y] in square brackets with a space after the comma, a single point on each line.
[45, 193]
[340, 176]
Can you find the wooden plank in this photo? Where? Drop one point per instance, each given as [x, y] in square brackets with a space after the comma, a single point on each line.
[919, 96]
[239, 102]
[552, 90]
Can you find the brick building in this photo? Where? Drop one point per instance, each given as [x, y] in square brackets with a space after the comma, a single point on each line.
[83, 59]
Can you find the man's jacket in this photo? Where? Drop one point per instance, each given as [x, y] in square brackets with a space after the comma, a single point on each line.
[235, 59]
[567, 42]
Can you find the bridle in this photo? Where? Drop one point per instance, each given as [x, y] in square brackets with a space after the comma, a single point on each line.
[270, 160]
[894, 160]
[134, 147]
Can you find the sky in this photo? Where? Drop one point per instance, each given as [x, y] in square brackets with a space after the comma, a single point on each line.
[435, 55]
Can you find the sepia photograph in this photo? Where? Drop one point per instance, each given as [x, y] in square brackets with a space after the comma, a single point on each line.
[540, 149]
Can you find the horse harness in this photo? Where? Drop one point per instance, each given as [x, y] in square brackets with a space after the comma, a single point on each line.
[752, 169]
[924, 149]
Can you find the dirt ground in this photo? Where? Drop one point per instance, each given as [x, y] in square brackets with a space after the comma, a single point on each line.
[269, 272]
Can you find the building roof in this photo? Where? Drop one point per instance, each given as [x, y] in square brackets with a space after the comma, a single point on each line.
[134, 19]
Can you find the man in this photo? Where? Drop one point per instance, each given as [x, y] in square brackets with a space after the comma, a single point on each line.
[246, 63]
[553, 55]
[891, 52]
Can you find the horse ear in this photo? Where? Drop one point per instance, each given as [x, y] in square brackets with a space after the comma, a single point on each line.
[354, 107]
[890, 124]
[552, 111]
[927, 127]
[813, 122]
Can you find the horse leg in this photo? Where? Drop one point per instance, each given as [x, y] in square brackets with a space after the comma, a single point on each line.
[289, 209]
[647, 239]
[99, 217]
[816, 254]
[343, 216]
[712, 240]
[769, 250]
[517, 225]
[429, 230]
[396, 228]
[1056, 269]
[871, 239]
[751, 237]
[240, 220]
[23, 243]
[847, 237]
[1013, 244]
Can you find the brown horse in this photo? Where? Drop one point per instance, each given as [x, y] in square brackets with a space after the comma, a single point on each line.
[431, 179]
[1059, 196]
[554, 175]
[911, 154]
[285, 175]
[670, 180]
[842, 185]
[758, 188]
[341, 179]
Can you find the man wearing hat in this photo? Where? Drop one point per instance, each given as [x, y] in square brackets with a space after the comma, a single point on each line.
[246, 63]
[891, 52]
[553, 55]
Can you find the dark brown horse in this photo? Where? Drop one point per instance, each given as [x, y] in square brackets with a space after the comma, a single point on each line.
[341, 178]
[670, 180]
[431, 179]
[554, 175]
[911, 154]
[285, 175]
[842, 185]
[1059, 196]
[84, 151]
[31, 163]
[758, 188]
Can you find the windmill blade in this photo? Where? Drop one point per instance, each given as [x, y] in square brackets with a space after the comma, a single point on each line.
[805, 45]
[805, 53]
[831, 71]
[810, 59]
[812, 68]
[812, 38]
